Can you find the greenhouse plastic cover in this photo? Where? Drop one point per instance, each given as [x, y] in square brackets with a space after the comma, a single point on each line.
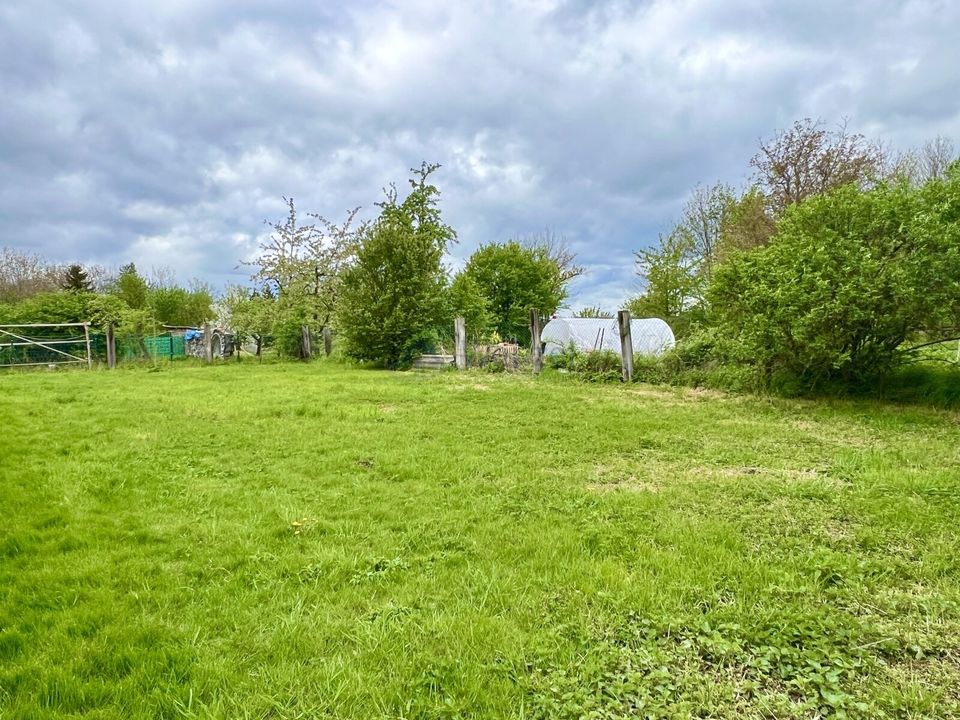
[650, 336]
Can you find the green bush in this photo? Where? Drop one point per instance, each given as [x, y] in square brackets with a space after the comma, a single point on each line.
[67, 306]
[288, 336]
[597, 366]
[922, 383]
[653, 370]
[849, 278]
[566, 359]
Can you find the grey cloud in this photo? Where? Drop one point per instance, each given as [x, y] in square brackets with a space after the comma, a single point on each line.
[165, 133]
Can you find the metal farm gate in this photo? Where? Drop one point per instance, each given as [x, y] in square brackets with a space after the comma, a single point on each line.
[45, 344]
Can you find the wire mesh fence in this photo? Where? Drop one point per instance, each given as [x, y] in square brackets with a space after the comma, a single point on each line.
[81, 345]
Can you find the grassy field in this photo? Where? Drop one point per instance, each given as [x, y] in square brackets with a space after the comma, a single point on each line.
[300, 541]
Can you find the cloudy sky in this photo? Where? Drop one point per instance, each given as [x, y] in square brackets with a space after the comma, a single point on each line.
[166, 132]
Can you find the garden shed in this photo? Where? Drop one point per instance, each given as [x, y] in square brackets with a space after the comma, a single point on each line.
[651, 336]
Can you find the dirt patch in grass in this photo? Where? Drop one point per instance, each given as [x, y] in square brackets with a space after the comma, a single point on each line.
[631, 485]
[622, 474]
[790, 474]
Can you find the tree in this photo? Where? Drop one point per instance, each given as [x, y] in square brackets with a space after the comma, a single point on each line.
[393, 298]
[746, 225]
[592, 312]
[25, 274]
[557, 249]
[808, 160]
[75, 278]
[131, 324]
[305, 263]
[673, 285]
[936, 157]
[704, 218]
[677, 271]
[75, 307]
[131, 287]
[174, 305]
[467, 301]
[515, 278]
[48, 307]
[931, 161]
[101, 277]
[248, 314]
[850, 277]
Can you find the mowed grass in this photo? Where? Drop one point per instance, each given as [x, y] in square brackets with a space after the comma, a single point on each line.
[301, 541]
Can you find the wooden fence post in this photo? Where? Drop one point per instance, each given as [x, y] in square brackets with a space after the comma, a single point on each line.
[86, 335]
[208, 343]
[536, 350]
[111, 348]
[626, 344]
[460, 333]
[306, 351]
[327, 342]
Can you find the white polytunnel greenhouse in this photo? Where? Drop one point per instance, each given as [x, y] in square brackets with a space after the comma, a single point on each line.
[650, 336]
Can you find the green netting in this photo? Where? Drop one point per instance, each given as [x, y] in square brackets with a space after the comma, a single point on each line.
[158, 346]
[16, 351]
[165, 346]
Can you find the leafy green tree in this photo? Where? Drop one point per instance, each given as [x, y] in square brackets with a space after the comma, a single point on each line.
[129, 323]
[849, 278]
[75, 278]
[703, 219]
[515, 278]
[673, 285]
[393, 299]
[179, 306]
[131, 287]
[677, 271]
[467, 301]
[49, 307]
[73, 307]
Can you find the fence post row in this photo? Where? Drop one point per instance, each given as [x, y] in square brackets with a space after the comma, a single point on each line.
[460, 334]
[626, 344]
[536, 349]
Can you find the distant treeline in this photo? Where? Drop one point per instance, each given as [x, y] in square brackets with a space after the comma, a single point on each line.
[838, 264]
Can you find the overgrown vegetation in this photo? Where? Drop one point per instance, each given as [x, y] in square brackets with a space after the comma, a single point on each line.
[292, 540]
[825, 273]
[850, 279]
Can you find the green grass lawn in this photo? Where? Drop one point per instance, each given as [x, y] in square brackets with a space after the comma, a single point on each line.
[300, 541]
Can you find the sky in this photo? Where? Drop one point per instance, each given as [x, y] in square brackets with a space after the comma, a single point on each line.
[166, 133]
